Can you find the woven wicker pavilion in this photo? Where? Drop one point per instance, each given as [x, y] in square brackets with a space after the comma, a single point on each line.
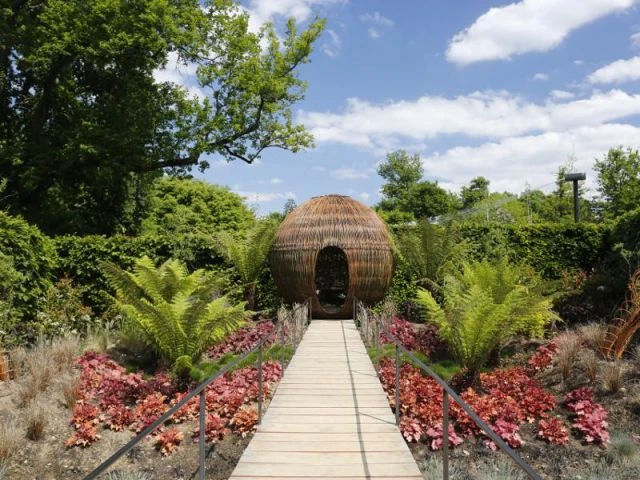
[332, 249]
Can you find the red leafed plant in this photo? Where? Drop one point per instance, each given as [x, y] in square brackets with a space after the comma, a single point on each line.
[168, 440]
[403, 331]
[425, 340]
[411, 429]
[215, 428]
[242, 340]
[435, 433]
[119, 417]
[84, 436]
[508, 432]
[148, 409]
[186, 412]
[85, 413]
[590, 418]
[245, 421]
[542, 357]
[553, 431]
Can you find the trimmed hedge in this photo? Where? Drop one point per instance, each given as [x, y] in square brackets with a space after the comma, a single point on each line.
[549, 248]
[80, 258]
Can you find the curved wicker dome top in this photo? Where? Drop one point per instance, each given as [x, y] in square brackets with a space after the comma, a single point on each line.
[332, 249]
[332, 220]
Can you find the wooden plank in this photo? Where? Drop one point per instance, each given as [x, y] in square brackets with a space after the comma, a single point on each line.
[329, 417]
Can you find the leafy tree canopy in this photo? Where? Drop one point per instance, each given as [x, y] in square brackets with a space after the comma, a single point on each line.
[82, 114]
[476, 191]
[406, 196]
[182, 205]
[619, 180]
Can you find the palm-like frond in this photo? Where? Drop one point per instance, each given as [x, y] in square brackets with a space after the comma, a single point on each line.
[430, 250]
[180, 313]
[249, 252]
[485, 304]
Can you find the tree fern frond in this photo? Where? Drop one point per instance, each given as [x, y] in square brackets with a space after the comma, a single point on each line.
[484, 304]
[176, 311]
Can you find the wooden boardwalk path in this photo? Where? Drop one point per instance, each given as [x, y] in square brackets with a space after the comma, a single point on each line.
[329, 417]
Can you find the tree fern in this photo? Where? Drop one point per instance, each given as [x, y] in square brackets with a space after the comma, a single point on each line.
[248, 253]
[483, 305]
[180, 313]
[430, 250]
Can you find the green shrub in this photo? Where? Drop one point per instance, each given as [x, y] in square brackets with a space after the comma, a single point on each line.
[179, 206]
[625, 238]
[403, 290]
[550, 248]
[9, 279]
[484, 305]
[33, 257]
[62, 311]
[180, 313]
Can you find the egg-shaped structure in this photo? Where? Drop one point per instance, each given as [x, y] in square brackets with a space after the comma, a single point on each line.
[332, 249]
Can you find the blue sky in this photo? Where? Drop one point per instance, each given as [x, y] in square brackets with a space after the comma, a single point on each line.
[505, 90]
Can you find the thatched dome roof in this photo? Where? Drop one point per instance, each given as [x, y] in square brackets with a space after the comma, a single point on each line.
[332, 221]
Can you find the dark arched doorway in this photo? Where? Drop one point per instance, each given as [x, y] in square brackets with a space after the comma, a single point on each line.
[332, 279]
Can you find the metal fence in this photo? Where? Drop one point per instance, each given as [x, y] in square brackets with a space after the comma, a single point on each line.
[301, 315]
[370, 324]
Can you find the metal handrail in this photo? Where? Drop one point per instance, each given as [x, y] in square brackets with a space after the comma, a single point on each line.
[447, 392]
[200, 390]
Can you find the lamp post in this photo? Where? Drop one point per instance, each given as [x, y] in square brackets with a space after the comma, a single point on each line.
[575, 178]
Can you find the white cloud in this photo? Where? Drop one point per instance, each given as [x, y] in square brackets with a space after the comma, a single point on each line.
[332, 47]
[263, 197]
[486, 114]
[365, 196]
[635, 39]
[350, 174]
[262, 11]
[526, 26]
[562, 94]
[276, 181]
[541, 76]
[578, 62]
[617, 72]
[538, 155]
[181, 73]
[377, 19]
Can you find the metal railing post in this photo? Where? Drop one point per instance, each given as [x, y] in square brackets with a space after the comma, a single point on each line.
[260, 385]
[445, 435]
[397, 385]
[203, 427]
[282, 346]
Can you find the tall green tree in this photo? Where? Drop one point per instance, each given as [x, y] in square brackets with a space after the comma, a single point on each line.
[400, 170]
[476, 191]
[405, 196]
[619, 180]
[84, 113]
[247, 252]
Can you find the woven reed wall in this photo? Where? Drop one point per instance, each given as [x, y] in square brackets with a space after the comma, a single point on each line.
[339, 221]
